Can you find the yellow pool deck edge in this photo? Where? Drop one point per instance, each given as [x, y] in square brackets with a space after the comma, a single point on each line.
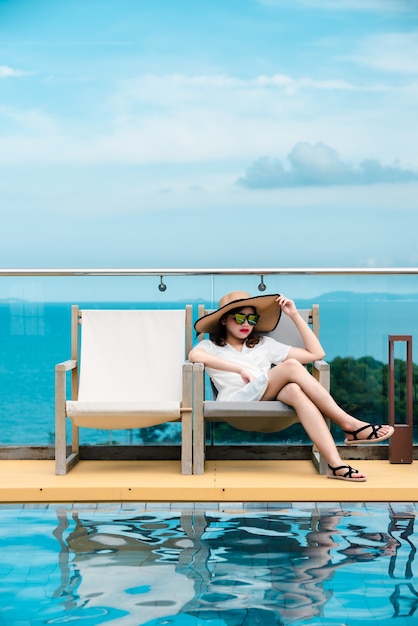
[224, 481]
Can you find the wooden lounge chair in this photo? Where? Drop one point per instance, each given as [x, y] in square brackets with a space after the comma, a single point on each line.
[130, 372]
[263, 416]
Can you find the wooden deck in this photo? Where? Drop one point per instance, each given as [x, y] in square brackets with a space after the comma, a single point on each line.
[28, 481]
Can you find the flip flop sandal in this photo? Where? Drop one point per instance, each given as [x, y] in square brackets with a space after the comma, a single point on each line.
[372, 438]
[347, 476]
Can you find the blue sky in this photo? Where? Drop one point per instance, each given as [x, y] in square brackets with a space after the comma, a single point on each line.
[208, 133]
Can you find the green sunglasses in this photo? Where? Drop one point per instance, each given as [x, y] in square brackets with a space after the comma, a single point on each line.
[252, 318]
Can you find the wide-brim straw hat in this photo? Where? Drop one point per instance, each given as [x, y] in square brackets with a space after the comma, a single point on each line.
[267, 308]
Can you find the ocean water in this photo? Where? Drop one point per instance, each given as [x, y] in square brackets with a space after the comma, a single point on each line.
[34, 336]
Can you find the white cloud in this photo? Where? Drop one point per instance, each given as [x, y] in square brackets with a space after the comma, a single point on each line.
[391, 6]
[9, 72]
[166, 91]
[205, 118]
[390, 52]
[319, 164]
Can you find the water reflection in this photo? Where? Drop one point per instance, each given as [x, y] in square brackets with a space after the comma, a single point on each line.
[109, 564]
[280, 569]
[405, 595]
[324, 564]
[239, 569]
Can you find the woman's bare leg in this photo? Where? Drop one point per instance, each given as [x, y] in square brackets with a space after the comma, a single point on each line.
[314, 424]
[292, 371]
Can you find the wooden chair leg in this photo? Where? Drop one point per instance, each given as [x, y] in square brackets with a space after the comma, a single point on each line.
[198, 420]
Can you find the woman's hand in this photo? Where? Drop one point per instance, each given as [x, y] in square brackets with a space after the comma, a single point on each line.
[287, 306]
[246, 376]
[313, 351]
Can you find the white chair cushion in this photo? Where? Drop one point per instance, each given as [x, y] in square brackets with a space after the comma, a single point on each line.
[122, 415]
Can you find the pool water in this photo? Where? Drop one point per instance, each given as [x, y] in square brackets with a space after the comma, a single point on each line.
[209, 564]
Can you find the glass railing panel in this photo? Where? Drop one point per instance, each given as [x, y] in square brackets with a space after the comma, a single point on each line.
[358, 313]
[35, 319]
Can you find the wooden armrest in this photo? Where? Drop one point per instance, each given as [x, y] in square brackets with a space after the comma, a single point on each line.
[66, 366]
[321, 366]
[187, 382]
[198, 373]
[322, 373]
[61, 370]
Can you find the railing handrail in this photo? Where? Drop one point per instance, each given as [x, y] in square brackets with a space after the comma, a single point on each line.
[324, 271]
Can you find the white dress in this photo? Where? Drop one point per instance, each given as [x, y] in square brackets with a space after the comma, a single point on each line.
[258, 360]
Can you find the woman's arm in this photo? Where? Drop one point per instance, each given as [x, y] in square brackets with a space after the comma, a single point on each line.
[313, 350]
[200, 355]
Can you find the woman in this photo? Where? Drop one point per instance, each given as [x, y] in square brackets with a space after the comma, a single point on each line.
[239, 362]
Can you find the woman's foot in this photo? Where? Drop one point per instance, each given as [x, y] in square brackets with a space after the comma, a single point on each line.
[346, 472]
[367, 434]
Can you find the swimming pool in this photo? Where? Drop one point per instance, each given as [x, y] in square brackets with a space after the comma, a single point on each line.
[209, 564]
